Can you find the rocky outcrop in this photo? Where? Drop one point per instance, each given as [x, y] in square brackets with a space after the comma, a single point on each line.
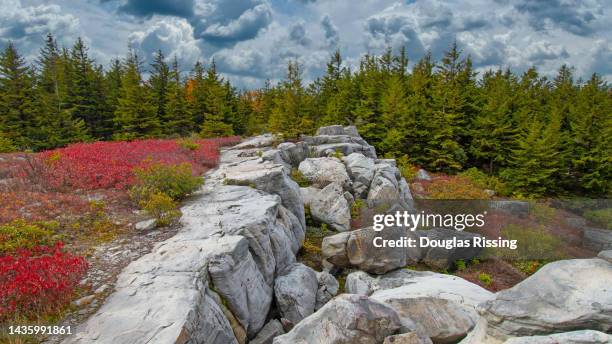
[337, 139]
[345, 319]
[296, 292]
[562, 296]
[333, 249]
[324, 171]
[331, 207]
[605, 255]
[272, 329]
[597, 239]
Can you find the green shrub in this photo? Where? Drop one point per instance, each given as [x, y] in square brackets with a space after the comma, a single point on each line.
[162, 207]
[408, 170]
[299, 178]
[356, 208]
[338, 154]
[20, 234]
[533, 243]
[188, 144]
[460, 265]
[455, 187]
[176, 181]
[542, 212]
[601, 217]
[6, 145]
[485, 181]
[485, 279]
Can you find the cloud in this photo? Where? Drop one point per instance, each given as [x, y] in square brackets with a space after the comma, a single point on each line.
[174, 36]
[575, 16]
[297, 34]
[28, 25]
[540, 51]
[331, 31]
[147, 8]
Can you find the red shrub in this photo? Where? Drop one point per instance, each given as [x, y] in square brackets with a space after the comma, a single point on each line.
[104, 165]
[38, 281]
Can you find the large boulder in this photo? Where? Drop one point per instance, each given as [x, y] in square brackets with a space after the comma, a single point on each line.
[440, 306]
[574, 337]
[440, 257]
[308, 194]
[562, 296]
[605, 255]
[338, 130]
[384, 188]
[324, 171]
[361, 170]
[345, 319]
[265, 140]
[408, 338]
[597, 239]
[331, 207]
[293, 153]
[362, 253]
[296, 292]
[333, 249]
[345, 142]
[328, 288]
[236, 278]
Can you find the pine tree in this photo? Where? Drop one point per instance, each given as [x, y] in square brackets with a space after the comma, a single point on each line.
[395, 117]
[178, 118]
[159, 81]
[135, 115]
[370, 83]
[17, 110]
[196, 92]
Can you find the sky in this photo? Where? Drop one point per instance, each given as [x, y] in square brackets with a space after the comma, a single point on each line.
[252, 40]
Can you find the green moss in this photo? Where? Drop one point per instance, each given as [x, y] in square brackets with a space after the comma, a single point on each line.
[299, 178]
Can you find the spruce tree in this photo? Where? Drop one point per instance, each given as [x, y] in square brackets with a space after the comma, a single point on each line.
[17, 111]
[178, 120]
[288, 117]
[135, 115]
[159, 80]
[217, 110]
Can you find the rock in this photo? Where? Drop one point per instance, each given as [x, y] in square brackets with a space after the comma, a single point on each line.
[349, 198]
[441, 257]
[361, 170]
[333, 249]
[293, 153]
[606, 255]
[405, 195]
[364, 255]
[328, 145]
[338, 130]
[101, 289]
[272, 329]
[442, 320]
[331, 207]
[517, 208]
[407, 338]
[384, 188]
[275, 156]
[439, 306]
[236, 278]
[345, 319]
[239, 331]
[574, 337]
[597, 239]
[563, 295]
[84, 301]
[146, 225]
[351, 130]
[324, 171]
[308, 194]
[422, 175]
[265, 140]
[296, 292]
[418, 284]
[328, 288]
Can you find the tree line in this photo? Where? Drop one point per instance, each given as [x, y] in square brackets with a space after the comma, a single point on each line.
[540, 136]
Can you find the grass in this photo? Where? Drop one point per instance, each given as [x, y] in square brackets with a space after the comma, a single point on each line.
[310, 252]
[601, 217]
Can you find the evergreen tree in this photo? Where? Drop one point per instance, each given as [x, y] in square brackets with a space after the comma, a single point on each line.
[178, 118]
[217, 110]
[17, 109]
[159, 81]
[55, 126]
[135, 115]
[288, 115]
[196, 91]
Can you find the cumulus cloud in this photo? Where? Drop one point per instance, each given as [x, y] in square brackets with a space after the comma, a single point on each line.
[27, 25]
[174, 36]
[575, 16]
[331, 31]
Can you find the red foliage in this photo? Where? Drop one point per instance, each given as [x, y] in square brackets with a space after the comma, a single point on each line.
[106, 165]
[38, 281]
